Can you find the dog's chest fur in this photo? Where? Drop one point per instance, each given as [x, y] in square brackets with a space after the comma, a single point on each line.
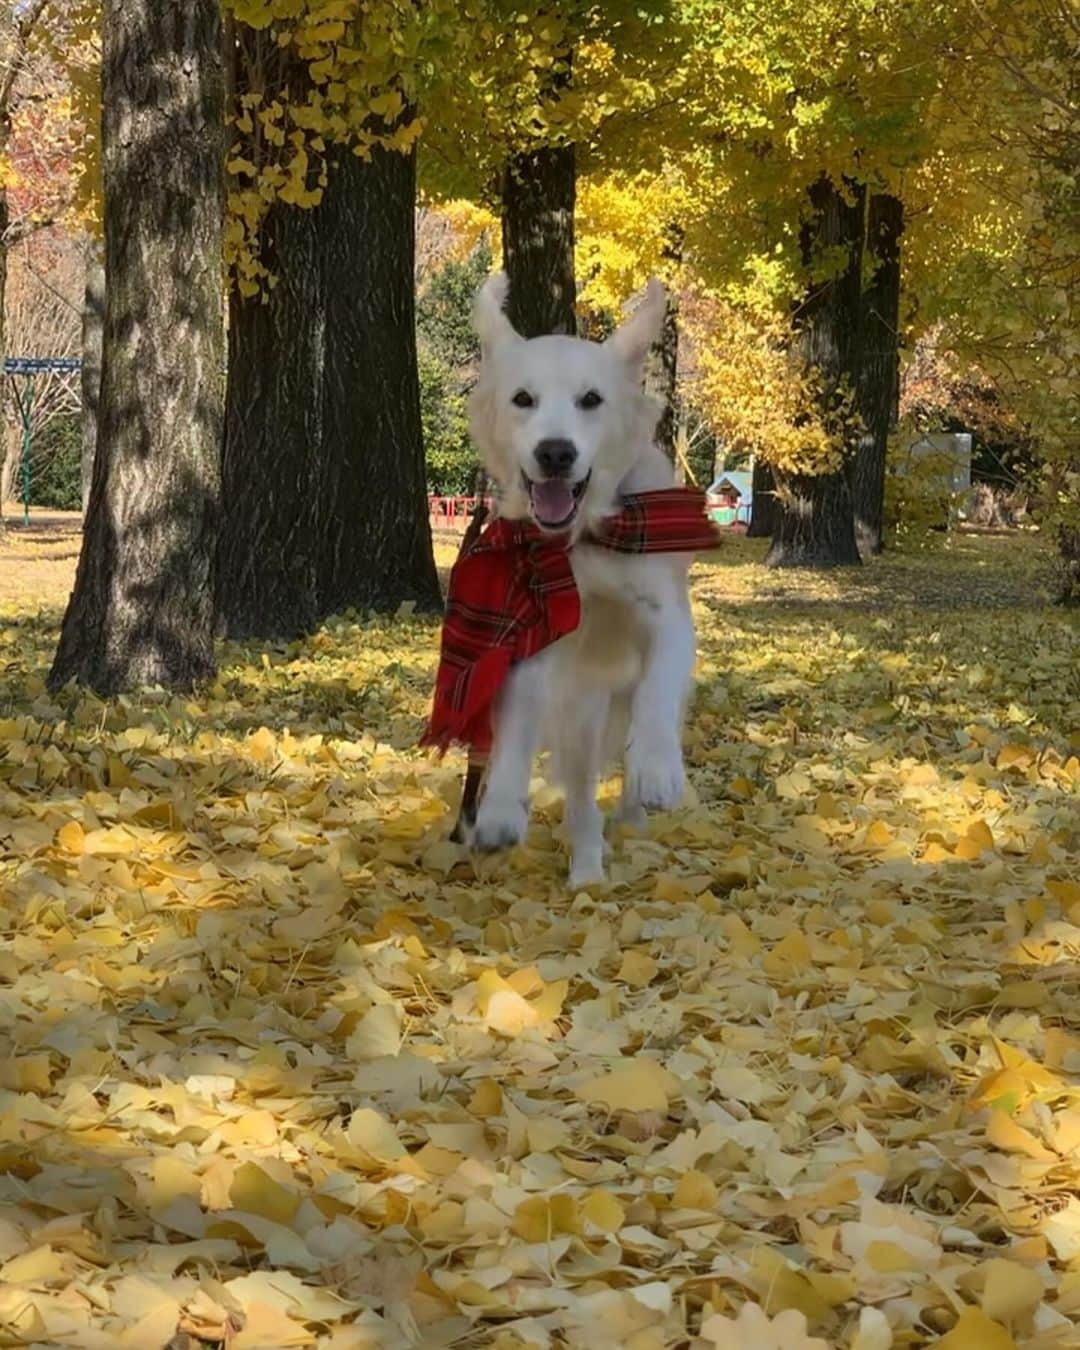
[620, 595]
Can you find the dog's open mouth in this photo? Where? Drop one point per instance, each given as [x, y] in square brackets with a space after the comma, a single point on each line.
[555, 501]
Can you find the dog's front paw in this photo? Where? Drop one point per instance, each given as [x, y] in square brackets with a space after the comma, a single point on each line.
[500, 824]
[587, 866]
[654, 778]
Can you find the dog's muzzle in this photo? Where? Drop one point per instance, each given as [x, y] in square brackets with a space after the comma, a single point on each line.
[554, 501]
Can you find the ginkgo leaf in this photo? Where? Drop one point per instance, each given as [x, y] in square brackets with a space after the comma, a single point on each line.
[975, 1331]
[753, 1330]
[256, 1193]
[640, 1085]
[1010, 1290]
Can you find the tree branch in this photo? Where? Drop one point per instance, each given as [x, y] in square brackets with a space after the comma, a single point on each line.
[24, 30]
[22, 229]
[44, 281]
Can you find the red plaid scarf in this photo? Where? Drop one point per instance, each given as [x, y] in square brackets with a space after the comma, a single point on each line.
[512, 593]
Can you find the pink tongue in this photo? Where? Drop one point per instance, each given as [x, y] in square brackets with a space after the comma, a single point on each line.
[552, 500]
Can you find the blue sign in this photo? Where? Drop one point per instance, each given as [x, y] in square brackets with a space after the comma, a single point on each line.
[40, 365]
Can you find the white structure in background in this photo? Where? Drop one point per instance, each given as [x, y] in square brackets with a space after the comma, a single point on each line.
[951, 450]
[954, 450]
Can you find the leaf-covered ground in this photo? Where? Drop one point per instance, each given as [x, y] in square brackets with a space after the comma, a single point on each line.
[279, 1065]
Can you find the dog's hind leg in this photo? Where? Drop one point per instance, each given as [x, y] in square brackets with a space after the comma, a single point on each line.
[503, 814]
[577, 762]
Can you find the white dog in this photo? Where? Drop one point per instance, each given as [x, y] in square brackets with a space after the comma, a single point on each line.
[564, 428]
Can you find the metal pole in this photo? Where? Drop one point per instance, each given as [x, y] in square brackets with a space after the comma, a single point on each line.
[27, 410]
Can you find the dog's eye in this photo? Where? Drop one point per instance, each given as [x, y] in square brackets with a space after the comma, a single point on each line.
[523, 399]
[590, 399]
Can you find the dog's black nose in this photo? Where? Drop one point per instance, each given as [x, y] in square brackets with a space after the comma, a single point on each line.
[555, 456]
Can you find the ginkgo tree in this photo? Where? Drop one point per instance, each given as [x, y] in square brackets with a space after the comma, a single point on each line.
[330, 99]
[555, 86]
[808, 117]
[141, 611]
[887, 159]
[997, 264]
[323, 475]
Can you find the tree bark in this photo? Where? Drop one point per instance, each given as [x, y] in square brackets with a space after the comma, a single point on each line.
[375, 538]
[1068, 541]
[815, 524]
[662, 368]
[93, 330]
[878, 381]
[323, 486]
[762, 501]
[814, 528]
[273, 464]
[142, 608]
[662, 377]
[539, 192]
[5, 390]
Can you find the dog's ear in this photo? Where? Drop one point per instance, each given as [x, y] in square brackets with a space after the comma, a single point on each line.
[632, 339]
[489, 313]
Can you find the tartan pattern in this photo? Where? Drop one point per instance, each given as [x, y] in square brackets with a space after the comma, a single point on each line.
[512, 593]
[669, 520]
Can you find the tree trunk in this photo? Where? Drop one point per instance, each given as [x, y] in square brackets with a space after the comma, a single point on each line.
[878, 383]
[539, 191]
[93, 328]
[762, 501]
[662, 369]
[5, 395]
[323, 487]
[10, 445]
[816, 523]
[142, 608]
[1068, 539]
[814, 528]
[662, 375]
[374, 537]
[272, 467]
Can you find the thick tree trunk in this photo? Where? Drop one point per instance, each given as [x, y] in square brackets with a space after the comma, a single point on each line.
[10, 444]
[142, 608]
[878, 379]
[374, 536]
[816, 523]
[539, 191]
[763, 501]
[814, 528]
[93, 331]
[324, 499]
[273, 466]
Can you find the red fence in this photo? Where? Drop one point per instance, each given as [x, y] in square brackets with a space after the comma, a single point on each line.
[453, 512]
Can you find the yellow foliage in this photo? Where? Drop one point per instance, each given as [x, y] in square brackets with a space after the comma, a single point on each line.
[755, 394]
[625, 232]
[469, 222]
[349, 77]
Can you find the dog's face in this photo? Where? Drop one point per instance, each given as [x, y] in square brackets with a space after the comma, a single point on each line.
[558, 421]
